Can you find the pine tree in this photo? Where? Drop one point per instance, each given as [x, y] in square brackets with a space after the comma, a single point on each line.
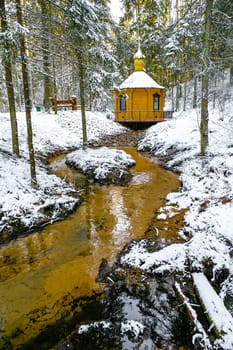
[222, 37]
[88, 31]
[147, 19]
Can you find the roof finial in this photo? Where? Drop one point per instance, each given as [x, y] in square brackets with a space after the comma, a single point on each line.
[138, 28]
[139, 42]
[139, 60]
[139, 54]
[138, 57]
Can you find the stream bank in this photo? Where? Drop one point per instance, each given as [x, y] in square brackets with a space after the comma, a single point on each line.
[50, 275]
[139, 310]
[50, 207]
[145, 310]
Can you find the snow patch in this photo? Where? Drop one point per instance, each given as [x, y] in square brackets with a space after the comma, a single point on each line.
[51, 133]
[102, 162]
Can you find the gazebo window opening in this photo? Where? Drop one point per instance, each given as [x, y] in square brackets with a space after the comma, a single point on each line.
[156, 102]
[122, 103]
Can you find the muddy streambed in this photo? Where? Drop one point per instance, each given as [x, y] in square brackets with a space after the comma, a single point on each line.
[44, 274]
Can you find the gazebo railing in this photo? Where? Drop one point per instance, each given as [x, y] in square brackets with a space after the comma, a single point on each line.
[142, 115]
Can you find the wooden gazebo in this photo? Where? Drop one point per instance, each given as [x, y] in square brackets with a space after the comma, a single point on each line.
[139, 99]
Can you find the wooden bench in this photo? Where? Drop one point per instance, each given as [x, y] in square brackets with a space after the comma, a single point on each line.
[63, 104]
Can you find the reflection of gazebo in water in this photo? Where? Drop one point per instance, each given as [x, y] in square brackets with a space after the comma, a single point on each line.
[139, 99]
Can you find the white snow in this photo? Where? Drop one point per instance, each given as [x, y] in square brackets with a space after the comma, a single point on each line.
[19, 200]
[139, 79]
[206, 193]
[102, 324]
[215, 307]
[104, 160]
[213, 304]
[116, 9]
[131, 326]
[51, 133]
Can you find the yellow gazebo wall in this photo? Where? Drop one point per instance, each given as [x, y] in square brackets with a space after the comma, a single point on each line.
[139, 105]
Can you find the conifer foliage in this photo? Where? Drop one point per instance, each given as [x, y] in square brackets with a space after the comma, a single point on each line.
[75, 48]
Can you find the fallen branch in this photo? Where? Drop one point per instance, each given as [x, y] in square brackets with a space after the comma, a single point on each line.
[201, 335]
[217, 314]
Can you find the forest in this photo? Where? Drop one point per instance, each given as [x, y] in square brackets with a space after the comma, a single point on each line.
[66, 42]
[58, 49]
[52, 220]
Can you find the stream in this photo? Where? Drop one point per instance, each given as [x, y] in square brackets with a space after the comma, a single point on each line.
[43, 275]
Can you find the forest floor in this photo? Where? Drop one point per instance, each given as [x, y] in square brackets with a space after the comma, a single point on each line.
[206, 195]
[129, 138]
[145, 269]
[24, 209]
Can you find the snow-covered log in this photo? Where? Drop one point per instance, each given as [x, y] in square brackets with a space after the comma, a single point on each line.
[200, 336]
[215, 309]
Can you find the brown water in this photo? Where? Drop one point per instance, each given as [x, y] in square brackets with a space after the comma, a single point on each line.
[41, 274]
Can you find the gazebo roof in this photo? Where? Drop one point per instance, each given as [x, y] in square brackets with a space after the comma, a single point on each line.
[140, 79]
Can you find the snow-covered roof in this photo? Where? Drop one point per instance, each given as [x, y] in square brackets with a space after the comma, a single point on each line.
[140, 79]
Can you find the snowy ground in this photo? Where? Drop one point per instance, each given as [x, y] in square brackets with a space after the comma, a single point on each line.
[207, 184]
[207, 193]
[21, 207]
[207, 188]
[103, 164]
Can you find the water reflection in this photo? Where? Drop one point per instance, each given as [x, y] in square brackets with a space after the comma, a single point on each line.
[122, 220]
[41, 274]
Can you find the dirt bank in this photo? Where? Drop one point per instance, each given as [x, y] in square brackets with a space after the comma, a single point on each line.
[129, 138]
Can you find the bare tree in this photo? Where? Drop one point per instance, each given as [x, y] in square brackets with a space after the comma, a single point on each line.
[45, 42]
[82, 93]
[6, 58]
[27, 99]
[205, 77]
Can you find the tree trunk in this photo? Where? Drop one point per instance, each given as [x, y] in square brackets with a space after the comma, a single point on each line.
[215, 90]
[205, 78]
[231, 75]
[195, 92]
[82, 94]
[185, 95]
[177, 96]
[54, 99]
[45, 42]
[27, 99]
[6, 58]
[172, 92]
[19, 98]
